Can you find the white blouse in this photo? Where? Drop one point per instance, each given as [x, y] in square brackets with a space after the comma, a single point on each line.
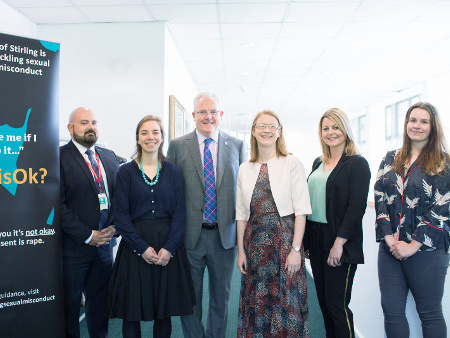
[287, 182]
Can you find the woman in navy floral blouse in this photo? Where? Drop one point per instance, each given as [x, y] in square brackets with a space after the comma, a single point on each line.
[412, 201]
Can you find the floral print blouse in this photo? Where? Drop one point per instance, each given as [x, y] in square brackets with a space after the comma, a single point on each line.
[412, 205]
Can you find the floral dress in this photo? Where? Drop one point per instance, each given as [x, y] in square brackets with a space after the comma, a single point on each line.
[412, 205]
[271, 303]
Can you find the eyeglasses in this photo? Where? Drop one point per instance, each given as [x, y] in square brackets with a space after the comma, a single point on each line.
[262, 126]
[204, 112]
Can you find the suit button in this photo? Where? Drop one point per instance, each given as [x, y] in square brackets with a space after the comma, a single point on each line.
[153, 211]
[153, 201]
[151, 190]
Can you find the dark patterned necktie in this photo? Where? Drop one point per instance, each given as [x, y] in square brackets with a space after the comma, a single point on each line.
[102, 190]
[210, 185]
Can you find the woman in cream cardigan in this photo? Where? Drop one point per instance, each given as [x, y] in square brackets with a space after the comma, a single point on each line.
[272, 204]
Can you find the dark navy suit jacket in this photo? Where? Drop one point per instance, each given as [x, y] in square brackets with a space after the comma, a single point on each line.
[80, 209]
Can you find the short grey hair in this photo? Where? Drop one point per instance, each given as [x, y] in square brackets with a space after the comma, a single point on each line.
[209, 95]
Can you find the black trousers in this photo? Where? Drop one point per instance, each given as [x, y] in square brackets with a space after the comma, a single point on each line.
[162, 328]
[333, 285]
[89, 275]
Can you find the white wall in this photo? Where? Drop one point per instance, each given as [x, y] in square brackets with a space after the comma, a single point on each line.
[118, 70]
[11, 22]
[177, 81]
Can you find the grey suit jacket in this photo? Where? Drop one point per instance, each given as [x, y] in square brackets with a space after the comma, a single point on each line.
[185, 153]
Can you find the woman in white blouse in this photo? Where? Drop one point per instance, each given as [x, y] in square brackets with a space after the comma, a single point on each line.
[272, 203]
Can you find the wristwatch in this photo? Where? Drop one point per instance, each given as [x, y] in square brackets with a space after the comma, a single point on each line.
[296, 248]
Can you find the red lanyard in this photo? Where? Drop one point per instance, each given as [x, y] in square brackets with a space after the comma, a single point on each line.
[99, 177]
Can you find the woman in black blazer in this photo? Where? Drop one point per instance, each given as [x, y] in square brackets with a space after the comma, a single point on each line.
[338, 187]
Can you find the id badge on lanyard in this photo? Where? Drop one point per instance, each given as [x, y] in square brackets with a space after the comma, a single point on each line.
[103, 200]
[102, 197]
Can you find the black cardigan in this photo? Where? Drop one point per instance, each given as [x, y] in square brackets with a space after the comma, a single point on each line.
[346, 201]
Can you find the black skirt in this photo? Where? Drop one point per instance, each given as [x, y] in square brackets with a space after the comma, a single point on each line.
[141, 291]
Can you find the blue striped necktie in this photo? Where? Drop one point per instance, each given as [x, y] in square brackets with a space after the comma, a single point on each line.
[102, 190]
[210, 185]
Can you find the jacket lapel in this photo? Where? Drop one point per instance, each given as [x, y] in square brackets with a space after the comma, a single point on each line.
[222, 157]
[334, 174]
[107, 168]
[194, 149]
[82, 163]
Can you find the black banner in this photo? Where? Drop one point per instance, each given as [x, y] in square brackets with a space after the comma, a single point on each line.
[31, 297]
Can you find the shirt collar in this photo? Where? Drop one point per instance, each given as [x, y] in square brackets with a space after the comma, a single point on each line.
[201, 138]
[82, 149]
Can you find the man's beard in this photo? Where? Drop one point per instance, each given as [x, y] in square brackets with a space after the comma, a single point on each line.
[86, 140]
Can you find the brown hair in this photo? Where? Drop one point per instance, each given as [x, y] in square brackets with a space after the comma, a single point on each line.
[434, 155]
[339, 118]
[280, 144]
[138, 152]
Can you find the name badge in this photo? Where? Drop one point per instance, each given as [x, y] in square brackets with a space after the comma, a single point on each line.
[103, 200]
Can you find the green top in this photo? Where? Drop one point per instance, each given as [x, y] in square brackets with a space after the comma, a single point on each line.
[317, 184]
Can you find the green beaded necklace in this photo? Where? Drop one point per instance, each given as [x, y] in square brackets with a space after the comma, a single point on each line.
[157, 174]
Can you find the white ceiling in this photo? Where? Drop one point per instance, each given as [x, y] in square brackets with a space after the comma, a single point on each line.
[296, 57]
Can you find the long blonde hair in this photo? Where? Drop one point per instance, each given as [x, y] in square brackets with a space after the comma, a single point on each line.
[339, 118]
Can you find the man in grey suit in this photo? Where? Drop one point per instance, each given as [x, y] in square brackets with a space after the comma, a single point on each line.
[211, 156]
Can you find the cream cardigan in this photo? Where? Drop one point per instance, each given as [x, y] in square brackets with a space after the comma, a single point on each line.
[287, 182]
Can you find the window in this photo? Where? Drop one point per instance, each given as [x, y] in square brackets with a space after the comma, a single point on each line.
[395, 117]
[359, 126]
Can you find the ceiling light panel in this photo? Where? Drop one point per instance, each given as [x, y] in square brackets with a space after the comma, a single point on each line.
[389, 11]
[194, 31]
[182, 13]
[370, 30]
[195, 55]
[246, 65]
[250, 1]
[254, 55]
[321, 12]
[421, 29]
[164, 2]
[239, 13]
[106, 2]
[250, 31]
[311, 30]
[300, 54]
[40, 3]
[54, 15]
[239, 45]
[438, 12]
[294, 44]
[116, 13]
[199, 45]
[209, 66]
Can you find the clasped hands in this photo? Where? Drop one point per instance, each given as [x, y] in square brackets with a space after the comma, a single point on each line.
[161, 258]
[400, 249]
[102, 237]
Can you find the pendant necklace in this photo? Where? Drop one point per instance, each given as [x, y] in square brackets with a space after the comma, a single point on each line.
[156, 177]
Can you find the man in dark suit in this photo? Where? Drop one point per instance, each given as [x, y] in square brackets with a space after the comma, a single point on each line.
[209, 160]
[87, 181]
